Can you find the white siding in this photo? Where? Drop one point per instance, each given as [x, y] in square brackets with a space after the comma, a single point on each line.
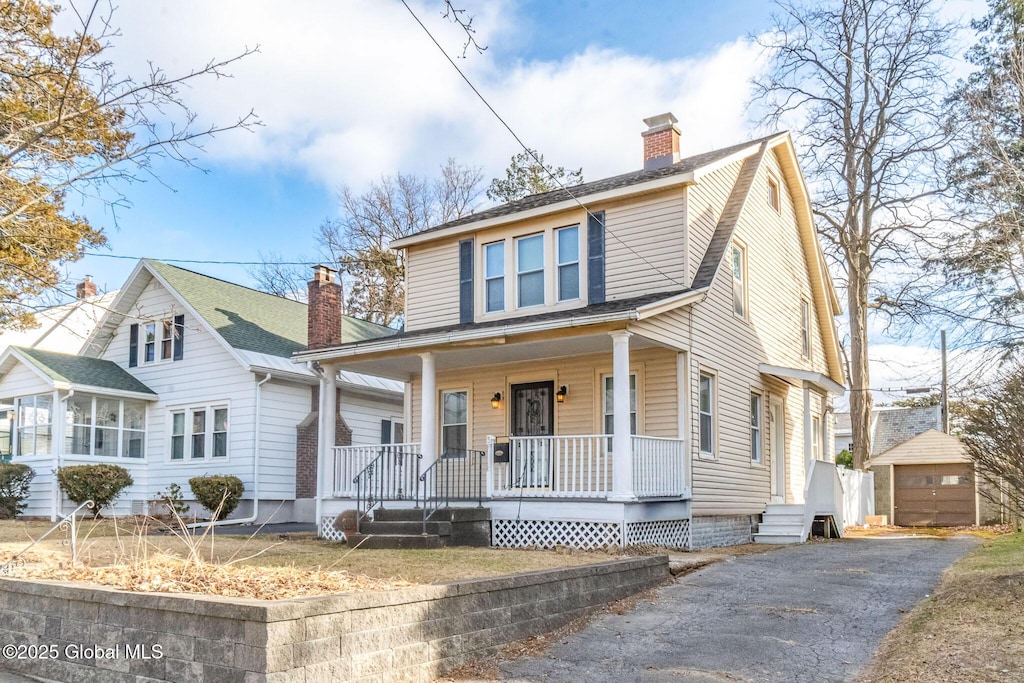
[363, 415]
[283, 407]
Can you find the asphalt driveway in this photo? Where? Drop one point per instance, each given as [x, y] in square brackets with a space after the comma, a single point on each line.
[813, 612]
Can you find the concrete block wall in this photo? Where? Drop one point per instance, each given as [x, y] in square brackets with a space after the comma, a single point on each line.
[718, 531]
[412, 634]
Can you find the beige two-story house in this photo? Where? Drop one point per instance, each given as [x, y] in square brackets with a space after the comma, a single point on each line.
[644, 359]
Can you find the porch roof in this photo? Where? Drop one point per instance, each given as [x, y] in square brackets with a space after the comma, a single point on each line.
[799, 377]
[64, 370]
[418, 341]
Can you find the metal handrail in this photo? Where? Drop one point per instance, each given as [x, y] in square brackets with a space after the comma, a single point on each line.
[384, 479]
[66, 522]
[449, 478]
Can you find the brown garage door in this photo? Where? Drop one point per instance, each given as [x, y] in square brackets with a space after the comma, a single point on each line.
[934, 495]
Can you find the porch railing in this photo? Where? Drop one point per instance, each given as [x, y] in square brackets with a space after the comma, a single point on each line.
[391, 476]
[456, 476]
[555, 467]
[349, 461]
[659, 467]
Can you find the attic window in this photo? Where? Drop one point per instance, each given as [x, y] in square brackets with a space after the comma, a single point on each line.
[773, 194]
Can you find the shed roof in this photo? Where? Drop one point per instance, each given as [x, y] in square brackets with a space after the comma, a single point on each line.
[82, 370]
[928, 448]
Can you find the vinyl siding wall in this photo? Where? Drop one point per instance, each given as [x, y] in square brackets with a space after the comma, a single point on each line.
[363, 415]
[582, 411]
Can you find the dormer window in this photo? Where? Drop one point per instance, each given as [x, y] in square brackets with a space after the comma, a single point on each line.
[494, 277]
[568, 242]
[167, 335]
[530, 270]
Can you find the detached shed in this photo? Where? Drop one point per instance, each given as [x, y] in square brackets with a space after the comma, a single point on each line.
[927, 480]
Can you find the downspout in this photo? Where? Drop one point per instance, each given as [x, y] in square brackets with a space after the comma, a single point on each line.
[59, 446]
[255, 468]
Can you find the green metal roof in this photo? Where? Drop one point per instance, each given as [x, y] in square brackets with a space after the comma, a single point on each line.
[81, 370]
[251, 320]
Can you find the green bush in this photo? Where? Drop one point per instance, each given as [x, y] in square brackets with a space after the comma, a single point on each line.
[218, 494]
[101, 484]
[14, 481]
[844, 458]
[174, 501]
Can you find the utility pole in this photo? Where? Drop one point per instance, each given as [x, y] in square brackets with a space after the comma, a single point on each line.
[945, 388]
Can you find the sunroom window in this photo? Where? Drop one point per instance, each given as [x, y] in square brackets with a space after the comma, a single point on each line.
[103, 426]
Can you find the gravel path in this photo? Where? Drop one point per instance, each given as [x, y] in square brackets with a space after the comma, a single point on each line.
[805, 613]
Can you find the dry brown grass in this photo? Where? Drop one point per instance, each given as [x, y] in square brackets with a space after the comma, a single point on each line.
[124, 555]
[971, 630]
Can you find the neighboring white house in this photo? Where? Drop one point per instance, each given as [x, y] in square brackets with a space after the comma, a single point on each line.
[188, 375]
[647, 358]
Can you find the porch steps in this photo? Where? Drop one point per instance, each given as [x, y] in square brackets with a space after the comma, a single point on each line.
[781, 524]
[402, 528]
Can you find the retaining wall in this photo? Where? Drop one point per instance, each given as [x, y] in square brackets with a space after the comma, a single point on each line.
[411, 634]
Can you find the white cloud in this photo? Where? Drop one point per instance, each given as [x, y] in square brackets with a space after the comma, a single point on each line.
[350, 91]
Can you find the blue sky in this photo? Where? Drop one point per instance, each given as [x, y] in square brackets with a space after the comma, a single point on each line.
[349, 91]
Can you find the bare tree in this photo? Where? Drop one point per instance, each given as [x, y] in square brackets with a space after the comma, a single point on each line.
[70, 122]
[865, 80]
[994, 437]
[358, 243]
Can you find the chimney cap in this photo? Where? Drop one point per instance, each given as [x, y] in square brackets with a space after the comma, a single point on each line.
[660, 122]
[323, 273]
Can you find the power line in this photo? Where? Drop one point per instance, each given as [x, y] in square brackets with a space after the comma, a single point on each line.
[206, 261]
[533, 154]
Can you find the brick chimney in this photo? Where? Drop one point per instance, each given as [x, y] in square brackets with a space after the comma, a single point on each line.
[324, 313]
[661, 141]
[86, 288]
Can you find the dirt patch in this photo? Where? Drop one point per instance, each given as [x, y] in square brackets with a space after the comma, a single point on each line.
[985, 532]
[970, 630]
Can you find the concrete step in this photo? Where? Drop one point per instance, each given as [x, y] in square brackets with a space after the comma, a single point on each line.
[784, 508]
[782, 519]
[776, 539]
[781, 529]
[398, 515]
[380, 528]
[396, 542]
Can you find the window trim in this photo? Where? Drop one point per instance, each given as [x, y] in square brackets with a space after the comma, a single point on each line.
[805, 328]
[209, 408]
[738, 247]
[757, 439]
[816, 434]
[776, 201]
[16, 427]
[441, 422]
[559, 264]
[160, 328]
[634, 376]
[488, 278]
[713, 376]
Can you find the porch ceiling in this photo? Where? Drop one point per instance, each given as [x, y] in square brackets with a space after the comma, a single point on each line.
[492, 351]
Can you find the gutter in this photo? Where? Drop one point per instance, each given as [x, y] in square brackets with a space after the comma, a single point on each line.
[453, 336]
[255, 468]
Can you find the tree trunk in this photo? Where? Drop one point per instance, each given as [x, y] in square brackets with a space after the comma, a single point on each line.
[860, 394]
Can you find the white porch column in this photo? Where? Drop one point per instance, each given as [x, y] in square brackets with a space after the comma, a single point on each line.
[808, 454]
[428, 413]
[330, 427]
[622, 446]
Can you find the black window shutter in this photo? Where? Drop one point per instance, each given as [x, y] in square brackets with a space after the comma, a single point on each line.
[595, 257]
[385, 431]
[179, 337]
[133, 345]
[466, 281]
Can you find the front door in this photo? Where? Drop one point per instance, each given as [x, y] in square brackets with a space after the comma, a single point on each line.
[533, 415]
[778, 440]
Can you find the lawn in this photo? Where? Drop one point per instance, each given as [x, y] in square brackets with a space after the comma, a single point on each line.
[971, 629]
[105, 544]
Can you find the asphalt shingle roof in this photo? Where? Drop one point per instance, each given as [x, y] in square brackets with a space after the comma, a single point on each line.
[251, 320]
[82, 370]
[605, 184]
[893, 427]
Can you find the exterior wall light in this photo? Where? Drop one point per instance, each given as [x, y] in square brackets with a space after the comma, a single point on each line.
[496, 400]
[560, 395]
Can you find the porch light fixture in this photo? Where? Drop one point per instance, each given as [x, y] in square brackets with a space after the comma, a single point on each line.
[496, 400]
[560, 395]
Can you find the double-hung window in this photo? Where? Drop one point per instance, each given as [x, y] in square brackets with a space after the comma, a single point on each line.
[567, 241]
[755, 428]
[166, 339]
[33, 424]
[530, 270]
[494, 277]
[149, 352]
[608, 382]
[707, 414]
[454, 423]
[199, 433]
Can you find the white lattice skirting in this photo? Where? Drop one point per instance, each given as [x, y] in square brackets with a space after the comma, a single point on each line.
[531, 533]
[327, 530]
[670, 533]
